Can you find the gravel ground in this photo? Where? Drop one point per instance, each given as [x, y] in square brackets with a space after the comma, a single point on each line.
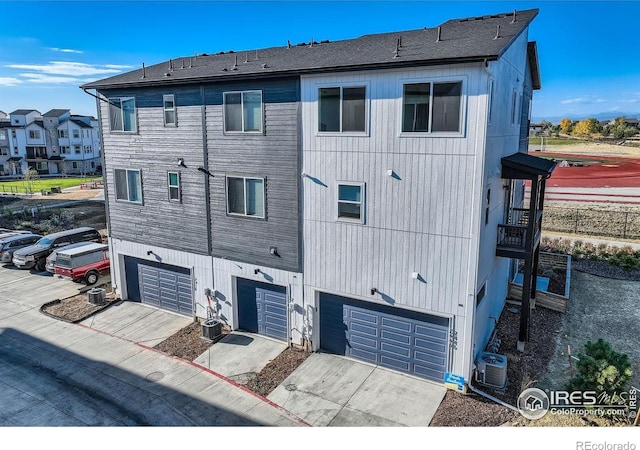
[603, 269]
[76, 308]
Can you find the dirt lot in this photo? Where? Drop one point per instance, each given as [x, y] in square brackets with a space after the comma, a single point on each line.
[591, 148]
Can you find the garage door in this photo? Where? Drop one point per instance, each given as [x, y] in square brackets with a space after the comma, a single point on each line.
[262, 308]
[162, 285]
[402, 340]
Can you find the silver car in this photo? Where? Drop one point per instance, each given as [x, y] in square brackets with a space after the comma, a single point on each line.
[10, 244]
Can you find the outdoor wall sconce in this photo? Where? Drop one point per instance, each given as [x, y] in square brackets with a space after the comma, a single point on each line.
[149, 252]
[373, 291]
[274, 251]
[256, 271]
[181, 163]
[415, 275]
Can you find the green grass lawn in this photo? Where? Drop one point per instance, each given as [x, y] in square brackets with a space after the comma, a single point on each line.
[535, 140]
[48, 183]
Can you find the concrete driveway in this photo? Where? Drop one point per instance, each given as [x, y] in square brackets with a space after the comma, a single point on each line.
[329, 390]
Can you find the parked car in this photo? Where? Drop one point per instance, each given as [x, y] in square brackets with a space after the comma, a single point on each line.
[51, 259]
[5, 233]
[9, 244]
[84, 263]
[35, 256]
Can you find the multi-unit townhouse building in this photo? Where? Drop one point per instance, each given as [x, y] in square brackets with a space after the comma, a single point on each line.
[54, 143]
[362, 197]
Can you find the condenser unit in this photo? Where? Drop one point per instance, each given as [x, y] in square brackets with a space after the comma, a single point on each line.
[491, 370]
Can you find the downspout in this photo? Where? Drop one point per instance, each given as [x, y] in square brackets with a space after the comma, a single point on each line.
[492, 398]
[207, 193]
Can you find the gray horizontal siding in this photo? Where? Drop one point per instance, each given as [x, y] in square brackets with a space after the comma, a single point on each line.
[274, 156]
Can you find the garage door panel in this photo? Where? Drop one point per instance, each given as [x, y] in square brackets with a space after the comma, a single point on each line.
[262, 308]
[402, 340]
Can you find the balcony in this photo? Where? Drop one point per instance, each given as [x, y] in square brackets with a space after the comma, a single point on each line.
[513, 237]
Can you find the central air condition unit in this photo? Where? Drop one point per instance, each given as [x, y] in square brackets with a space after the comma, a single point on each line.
[491, 370]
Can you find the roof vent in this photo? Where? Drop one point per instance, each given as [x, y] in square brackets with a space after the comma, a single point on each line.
[182, 65]
[190, 63]
[514, 17]
[235, 64]
[497, 36]
[288, 43]
[396, 53]
[224, 69]
[326, 41]
[264, 66]
[439, 32]
[311, 43]
[144, 71]
[256, 54]
[171, 64]
[167, 74]
[246, 57]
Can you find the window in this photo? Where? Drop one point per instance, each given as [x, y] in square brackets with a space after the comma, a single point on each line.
[243, 112]
[169, 106]
[481, 293]
[85, 133]
[490, 101]
[87, 149]
[173, 180]
[486, 207]
[34, 134]
[3, 135]
[64, 149]
[76, 134]
[76, 149]
[351, 201]
[122, 114]
[245, 196]
[514, 101]
[63, 134]
[128, 185]
[431, 107]
[42, 166]
[342, 109]
[74, 165]
[4, 152]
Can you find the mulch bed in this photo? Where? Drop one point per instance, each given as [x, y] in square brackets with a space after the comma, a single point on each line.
[186, 343]
[75, 309]
[277, 371]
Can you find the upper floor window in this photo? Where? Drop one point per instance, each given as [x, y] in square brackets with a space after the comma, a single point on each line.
[169, 107]
[64, 149]
[342, 109]
[128, 185]
[34, 134]
[63, 134]
[431, 107]
[3, 135]
[351, 201]
[173, 180]
[245, 196]
[122, 114]
[514, 108]
[490, 101]
[76, 149]
[76, 134]
[87, 149]
[243, 112]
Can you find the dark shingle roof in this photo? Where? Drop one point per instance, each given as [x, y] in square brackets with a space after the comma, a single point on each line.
[24, 112]
[56, 112]
[461, 40]
[80, 123]
[525, 166]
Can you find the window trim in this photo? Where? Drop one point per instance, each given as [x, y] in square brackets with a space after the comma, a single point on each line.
[341, 86]
[37, 136]
[434, 80]
[178, 187]
[264, 196]
[224, 111]
[173, 109]
[362, 202]
[135, 115]
[115, 179]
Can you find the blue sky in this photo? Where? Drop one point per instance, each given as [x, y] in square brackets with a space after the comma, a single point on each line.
[589, 51]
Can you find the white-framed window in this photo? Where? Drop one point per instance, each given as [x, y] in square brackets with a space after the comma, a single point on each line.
[4, 152]
[246, 196]
[87, 149]
[432, 107]
[514, 107]
[169, 108]
[3, 135]
[490, 101]
[63, 134]
[85, 133]
[64, 150]
[173, 182]
[74, 165]
[128, 185]
[34, 134]
[76, 133]
[342, 109]
[76, 149]
[487, 206]
[122, 114]
[351, 201]
[42, 166]
[243, 112]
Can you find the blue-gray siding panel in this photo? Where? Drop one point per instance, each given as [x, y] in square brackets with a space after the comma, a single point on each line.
[402, 340]
[262, 308]
[162, 285]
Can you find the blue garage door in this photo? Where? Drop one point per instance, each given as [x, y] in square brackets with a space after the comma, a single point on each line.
[262, 308]
[162, 285]
[402, 340]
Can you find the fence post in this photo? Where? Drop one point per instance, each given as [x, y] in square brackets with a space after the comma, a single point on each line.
[626, 218]
[576, 226]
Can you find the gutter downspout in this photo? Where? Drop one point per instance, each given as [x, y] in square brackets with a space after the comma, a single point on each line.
[492, 398]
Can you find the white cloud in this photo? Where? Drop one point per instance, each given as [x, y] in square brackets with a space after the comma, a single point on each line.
[66, 68]
[9, 81]
[65, 50]
[583, 100]
[117, 66]
[49, 79]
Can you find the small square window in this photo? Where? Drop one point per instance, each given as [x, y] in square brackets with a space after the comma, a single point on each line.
[245, 196]
[169, 108]
[76, 134]
[243, 112]
[431, 107]
[351, 202]
[122, 114]
[34, 134]
[173, 181]
[342, 109]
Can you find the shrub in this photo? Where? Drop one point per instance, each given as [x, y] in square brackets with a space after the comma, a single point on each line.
[601, 369]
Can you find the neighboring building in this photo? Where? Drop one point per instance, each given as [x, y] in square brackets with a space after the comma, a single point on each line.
[535, 128]
[363, 197]
[29, 140]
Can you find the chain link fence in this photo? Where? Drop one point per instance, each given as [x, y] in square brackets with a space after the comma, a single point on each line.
[593, 222]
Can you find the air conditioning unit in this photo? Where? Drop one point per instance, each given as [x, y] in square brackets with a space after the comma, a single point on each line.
[491, 370]
[97, 296]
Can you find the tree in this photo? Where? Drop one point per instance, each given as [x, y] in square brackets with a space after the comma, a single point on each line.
[565, 126]
[29, 178]
[601, 369]
[586, 127]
